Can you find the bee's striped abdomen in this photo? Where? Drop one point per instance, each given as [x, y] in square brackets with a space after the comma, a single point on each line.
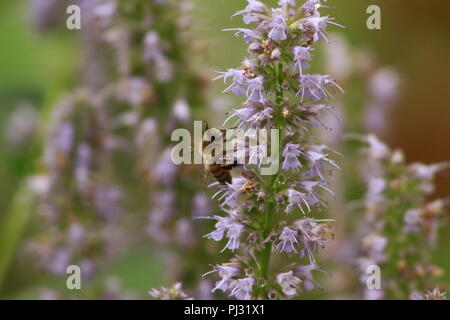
[220, 174]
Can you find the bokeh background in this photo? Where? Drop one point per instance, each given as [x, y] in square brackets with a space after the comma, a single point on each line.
[36, 69]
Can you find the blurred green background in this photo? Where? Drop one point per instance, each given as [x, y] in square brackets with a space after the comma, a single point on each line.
[36, 70]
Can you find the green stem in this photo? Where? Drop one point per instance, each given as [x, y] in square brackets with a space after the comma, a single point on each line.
[265, 254]
[268, 220]
[268, 226]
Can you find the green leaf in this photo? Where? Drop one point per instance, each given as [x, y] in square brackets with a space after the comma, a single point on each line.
[11, 228]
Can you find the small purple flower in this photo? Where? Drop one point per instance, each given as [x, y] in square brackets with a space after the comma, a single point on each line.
[233, 234]
[248, 34]
[291, 153]
[288, 283]
[316, 25]
[310, 186]
[317, 160]
[278, 26]
[229, 192]
[226, 273]
[221, 228]
[242, 116]
[255, 90]
[256, 120]
[288, 238]
[297, 199]
[239, 85]
[314, 233]
[253, 7]
[301, 56]
[315, 87]
[243, 288]
[306, 273]
[229, 227]
[311, 7]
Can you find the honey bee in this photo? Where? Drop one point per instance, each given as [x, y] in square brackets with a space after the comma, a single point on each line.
[221, 172]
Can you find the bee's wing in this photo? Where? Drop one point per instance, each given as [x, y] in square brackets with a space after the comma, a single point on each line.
[240, 144]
